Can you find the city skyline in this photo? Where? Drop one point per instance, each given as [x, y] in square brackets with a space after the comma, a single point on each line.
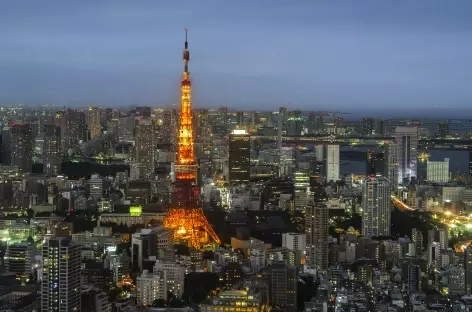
[308, 55]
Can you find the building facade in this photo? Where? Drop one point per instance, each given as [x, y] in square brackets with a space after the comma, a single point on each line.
[376, 207]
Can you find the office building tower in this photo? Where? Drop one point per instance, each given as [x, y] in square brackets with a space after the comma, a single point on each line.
[150, 287]
[296, 242]
[52, 157]
[316, 229]
[438, 171]
[439, 236]
[239, 157]
[468, 270]
[413, 278]
[21, 146]
[281, 122]
[19, 258]
[417, 238]
[61, 283]
[175, 276]
[407, 150]
[470, 164]
[301, 184]
[94, 125]
[376, 207]
[282, 281]
[294, 123]
[367, 126]
[143, 246]
[126, 129]
[145, 148]
[391, 165]
[375, 163]
[287, 161]
[96, 186]
[331, 162]
[73, 129]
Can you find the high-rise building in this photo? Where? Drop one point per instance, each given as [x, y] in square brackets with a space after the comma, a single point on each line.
[52, 157]
[316, 230]
[391, 165]
[61, 283]
[413, 278]
[470, 164]
[468, 270]
[73, 129]
[331, 162]
[185, 217]
[175, 276]
[94, 123]
[282, 281]
[144, 148]
[375, 163]
[150, 287]
[239, 158]
[19, 258]
[438, 236]
[438, 171]
[417, 238]
[21, 146]
[407, 142]
[376, 207]
[282, 119]
[301, 185]
[96, 186]
[367, 126]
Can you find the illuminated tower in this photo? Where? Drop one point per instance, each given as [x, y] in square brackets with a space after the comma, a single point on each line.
[186, 217]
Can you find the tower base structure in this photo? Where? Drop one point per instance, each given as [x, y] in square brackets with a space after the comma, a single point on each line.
[190, 225]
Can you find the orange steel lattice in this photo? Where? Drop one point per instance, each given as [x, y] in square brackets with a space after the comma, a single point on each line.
[185, 217]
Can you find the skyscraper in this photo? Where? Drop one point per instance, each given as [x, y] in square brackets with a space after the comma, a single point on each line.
[239, 157]
[316, 230]
[375, 163]
[437, 171]
[144, 148]
[331, 162]
[407, 142]
[51, 150]
[282, 281]
[73, 129]
[367, 126]
[391, 165]
[94, 122]
[60, 287]
[21, 146]
[376, 207]
[186, 217]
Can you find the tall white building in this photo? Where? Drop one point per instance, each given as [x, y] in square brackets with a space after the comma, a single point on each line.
[96, 185]
[287, 160]
[317, 235]
[376, 207]
[61, 283]
[391, 165]
[407, 143]
[150, 287]
[294, 241]
[175, 276]
[438, 171]
[301, 184]
[331, 162]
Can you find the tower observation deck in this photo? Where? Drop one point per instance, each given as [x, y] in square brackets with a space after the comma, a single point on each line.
[185, 216]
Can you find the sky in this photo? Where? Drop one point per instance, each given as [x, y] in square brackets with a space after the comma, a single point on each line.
[343, 55]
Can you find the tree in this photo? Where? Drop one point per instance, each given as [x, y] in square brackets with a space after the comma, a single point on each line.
[159, 303]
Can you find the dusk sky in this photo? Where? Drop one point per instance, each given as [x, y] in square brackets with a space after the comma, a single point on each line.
[259, 54]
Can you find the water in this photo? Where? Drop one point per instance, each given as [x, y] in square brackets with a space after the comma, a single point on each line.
[458, 162]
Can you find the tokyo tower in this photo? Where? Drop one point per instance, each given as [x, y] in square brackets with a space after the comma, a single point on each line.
[185, 216]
